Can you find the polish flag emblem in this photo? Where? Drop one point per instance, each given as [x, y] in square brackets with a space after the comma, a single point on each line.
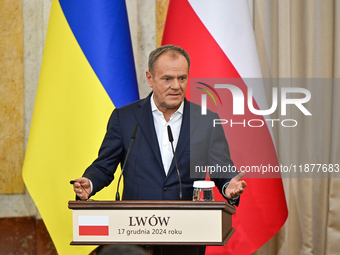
[93, 225]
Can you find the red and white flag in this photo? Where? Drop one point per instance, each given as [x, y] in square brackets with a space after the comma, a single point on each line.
[219, 38]
[93, 225]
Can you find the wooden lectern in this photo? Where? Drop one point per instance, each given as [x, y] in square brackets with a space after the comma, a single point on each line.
[181, 226]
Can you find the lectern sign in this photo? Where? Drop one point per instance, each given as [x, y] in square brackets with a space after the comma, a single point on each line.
[148, 225]
[96, 222]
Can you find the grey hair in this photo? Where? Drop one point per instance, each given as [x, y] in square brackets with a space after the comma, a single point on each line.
[172, 49]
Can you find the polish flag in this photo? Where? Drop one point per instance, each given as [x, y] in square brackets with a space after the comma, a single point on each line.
[219, 38]
[93, 225]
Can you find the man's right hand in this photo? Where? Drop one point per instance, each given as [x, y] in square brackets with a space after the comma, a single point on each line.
[82, 188]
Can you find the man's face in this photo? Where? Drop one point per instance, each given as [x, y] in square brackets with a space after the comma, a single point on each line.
[169, 81]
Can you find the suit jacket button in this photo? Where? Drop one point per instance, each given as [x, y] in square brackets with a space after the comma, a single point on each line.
[165, 189]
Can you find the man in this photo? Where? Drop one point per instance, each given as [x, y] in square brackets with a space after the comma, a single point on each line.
[150, 172]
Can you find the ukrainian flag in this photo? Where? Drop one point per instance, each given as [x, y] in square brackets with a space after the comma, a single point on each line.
[87, 70]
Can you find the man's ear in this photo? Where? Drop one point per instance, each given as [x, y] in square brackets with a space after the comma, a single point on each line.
[149, 78]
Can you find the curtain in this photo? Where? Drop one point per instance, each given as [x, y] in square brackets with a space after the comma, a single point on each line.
[298, 43]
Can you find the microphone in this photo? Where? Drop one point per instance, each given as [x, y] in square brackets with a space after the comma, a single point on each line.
[133, 136]
[171, 139]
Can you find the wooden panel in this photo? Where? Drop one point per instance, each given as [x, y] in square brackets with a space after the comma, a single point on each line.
[161, 11]
[25, 235]
[11, 97]
[44, 242]
[166, 205]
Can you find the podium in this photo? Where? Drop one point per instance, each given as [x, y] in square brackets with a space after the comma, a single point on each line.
[154, 224]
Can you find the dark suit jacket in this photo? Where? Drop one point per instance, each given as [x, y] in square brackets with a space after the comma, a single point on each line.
[144, 176]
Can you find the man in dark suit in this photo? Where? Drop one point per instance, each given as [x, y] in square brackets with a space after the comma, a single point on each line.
[150, 172]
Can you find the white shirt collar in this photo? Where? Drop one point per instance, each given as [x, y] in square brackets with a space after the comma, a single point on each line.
[154, 107]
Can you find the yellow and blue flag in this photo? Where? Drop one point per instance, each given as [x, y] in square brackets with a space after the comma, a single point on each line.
[87, 70]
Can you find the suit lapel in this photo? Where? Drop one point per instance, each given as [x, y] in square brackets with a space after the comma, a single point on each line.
[146, 124]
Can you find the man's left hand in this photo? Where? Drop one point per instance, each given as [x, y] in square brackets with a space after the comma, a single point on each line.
[236, 186]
